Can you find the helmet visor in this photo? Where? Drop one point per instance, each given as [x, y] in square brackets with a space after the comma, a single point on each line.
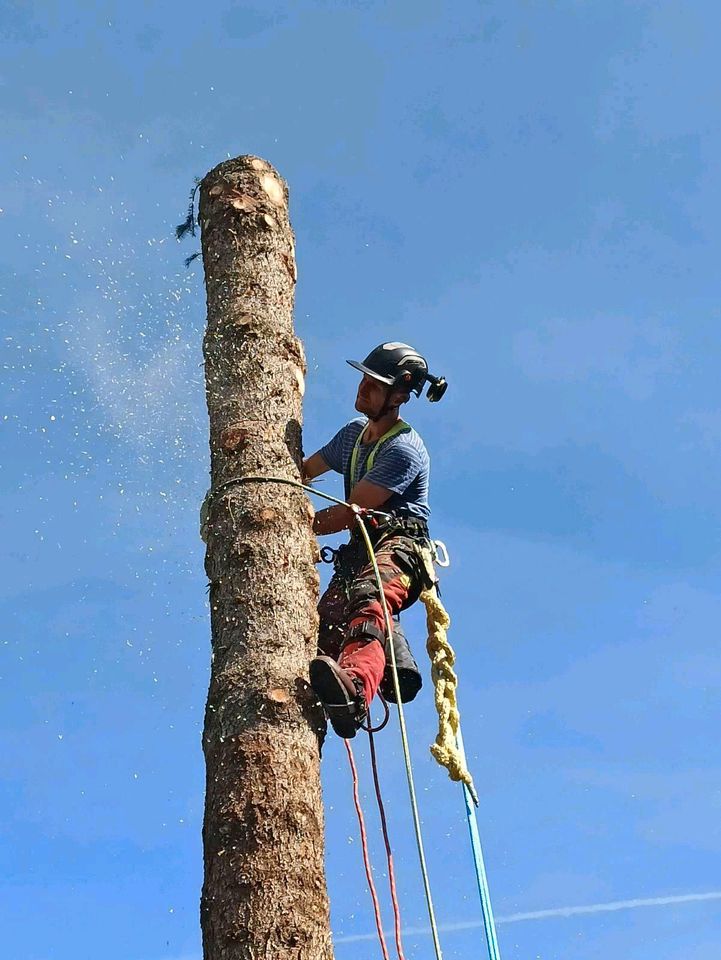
[389, 381]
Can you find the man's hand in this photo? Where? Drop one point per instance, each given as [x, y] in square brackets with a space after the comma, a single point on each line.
[333, 520]
[366, 495]
[313, 467]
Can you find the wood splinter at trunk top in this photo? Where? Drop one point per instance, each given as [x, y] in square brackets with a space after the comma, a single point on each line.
[264, 892]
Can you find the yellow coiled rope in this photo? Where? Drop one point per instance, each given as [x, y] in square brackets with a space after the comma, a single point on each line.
[442, 657]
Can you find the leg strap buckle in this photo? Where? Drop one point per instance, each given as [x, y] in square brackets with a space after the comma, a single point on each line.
[365, 630]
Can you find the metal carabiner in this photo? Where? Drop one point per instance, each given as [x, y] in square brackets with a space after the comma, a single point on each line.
[440, 553]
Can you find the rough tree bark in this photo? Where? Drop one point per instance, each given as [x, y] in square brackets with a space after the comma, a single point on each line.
[264, 894]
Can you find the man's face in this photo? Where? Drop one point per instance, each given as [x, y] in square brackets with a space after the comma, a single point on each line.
[371, 396]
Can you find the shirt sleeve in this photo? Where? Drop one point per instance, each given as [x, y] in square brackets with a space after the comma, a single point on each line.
[332, 452]
[396, 467]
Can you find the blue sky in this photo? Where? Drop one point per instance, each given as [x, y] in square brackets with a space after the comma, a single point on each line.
[528, 192]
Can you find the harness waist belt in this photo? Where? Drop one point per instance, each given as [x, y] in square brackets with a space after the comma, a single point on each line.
[412, 526]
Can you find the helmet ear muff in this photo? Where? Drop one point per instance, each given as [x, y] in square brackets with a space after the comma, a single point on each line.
[437, 387]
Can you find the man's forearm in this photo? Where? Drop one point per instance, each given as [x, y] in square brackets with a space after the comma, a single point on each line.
[332, 520]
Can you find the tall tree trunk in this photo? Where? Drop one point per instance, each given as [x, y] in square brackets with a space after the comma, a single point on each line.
[264, 894]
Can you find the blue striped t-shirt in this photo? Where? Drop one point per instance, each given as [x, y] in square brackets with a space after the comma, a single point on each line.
[401, 464]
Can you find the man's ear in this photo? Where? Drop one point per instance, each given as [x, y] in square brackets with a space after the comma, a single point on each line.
[400, 397]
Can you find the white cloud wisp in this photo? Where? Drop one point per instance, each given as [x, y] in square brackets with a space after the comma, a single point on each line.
[556, 912]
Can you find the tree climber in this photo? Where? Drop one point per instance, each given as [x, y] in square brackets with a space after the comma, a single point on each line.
[385, 466]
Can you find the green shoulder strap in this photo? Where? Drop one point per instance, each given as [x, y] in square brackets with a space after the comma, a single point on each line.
[400, 427]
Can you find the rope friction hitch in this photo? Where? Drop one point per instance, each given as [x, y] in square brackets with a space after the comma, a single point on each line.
[448, 748]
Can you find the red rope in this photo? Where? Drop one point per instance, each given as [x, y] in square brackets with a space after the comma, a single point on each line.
[366, 858]
[389, 854]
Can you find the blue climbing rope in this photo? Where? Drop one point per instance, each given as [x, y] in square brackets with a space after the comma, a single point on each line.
[489, 924]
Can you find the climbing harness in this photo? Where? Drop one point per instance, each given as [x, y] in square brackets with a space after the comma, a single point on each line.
[448, 748]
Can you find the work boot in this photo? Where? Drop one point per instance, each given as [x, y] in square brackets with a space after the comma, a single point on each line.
[341, 694]
[410, 680]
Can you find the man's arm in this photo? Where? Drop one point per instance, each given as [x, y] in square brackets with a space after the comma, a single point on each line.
[395, 466]
[337, 518]
[333, 519]
[313, 467]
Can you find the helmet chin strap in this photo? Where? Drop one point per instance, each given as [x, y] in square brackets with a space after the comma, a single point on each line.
[386, 408]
